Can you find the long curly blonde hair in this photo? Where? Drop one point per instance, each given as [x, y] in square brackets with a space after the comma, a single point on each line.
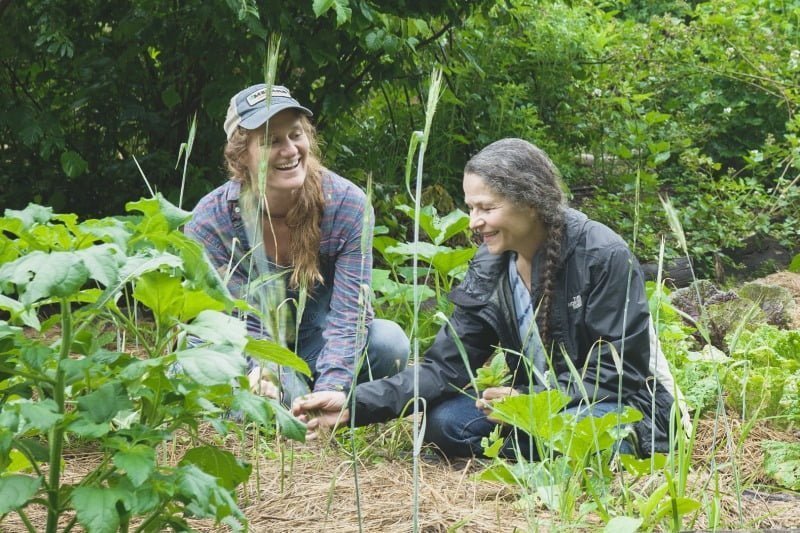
[304, 218]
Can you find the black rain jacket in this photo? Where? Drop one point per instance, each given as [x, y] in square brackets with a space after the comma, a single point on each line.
[597, 275]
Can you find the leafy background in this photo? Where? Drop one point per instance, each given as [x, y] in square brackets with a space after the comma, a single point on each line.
[692, 99]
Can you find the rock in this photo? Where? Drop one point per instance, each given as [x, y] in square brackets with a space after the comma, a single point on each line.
[776, 302]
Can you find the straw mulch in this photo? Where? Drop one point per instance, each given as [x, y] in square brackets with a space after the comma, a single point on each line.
[311, 487]
[728, 455]
[319, 494]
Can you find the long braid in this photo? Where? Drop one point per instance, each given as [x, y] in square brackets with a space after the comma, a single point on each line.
[548, 279]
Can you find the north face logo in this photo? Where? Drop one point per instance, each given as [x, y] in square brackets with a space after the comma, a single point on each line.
[576, 302]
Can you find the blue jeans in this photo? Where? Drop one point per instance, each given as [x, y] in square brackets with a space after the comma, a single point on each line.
[388, 348]
[456, 427]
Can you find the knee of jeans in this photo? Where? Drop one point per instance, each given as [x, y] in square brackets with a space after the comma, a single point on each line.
[455, 429]
[441, 431]
[388, 345]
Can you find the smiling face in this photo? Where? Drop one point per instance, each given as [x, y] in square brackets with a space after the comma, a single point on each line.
[287, 163]
[502, 224]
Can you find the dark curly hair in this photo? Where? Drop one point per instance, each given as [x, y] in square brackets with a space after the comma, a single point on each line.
[522, 173]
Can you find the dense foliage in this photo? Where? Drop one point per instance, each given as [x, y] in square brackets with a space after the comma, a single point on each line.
[73, 378]
[83, 93]
[684, 102]
[673, 97]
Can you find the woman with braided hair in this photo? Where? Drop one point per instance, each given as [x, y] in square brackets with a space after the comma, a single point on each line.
[546, 284]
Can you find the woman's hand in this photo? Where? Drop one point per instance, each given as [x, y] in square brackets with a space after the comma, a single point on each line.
[484, 403]
[260, 383]
[321, 411]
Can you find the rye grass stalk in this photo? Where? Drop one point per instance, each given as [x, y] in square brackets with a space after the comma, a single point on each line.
[364, 298]
[185, 151]
[419, 139]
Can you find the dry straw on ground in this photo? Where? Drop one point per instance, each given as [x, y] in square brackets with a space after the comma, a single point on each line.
[312, 488]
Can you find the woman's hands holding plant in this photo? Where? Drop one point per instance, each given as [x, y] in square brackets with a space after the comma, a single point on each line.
[261, 384]
[321, 410]
[484, 403]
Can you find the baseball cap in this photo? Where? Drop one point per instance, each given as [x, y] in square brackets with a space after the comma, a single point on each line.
[248, 108]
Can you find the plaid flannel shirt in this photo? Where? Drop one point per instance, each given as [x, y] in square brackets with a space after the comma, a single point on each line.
[345, 262]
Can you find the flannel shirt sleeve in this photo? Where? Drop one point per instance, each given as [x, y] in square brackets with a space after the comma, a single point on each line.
[350, 314]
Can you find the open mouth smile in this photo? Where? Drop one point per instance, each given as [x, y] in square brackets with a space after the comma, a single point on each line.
[289, 166]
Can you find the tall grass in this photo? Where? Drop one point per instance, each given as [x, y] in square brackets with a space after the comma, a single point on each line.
[419, 140]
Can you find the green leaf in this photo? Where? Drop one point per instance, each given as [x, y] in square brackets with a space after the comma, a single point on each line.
[205, 495]
[194, 302]
[137, 369]
[38, 275]
[97, 508]
[18, 311]
[150, 207]
[448, 260]
[221, 464]
[148, 261]
[170, 97]
[495, 374]
[16, 490]
[680, 506]
[321, 7]
[211, 367]
[498, 472]
[103, 261]
[73, 164]
[41, 415]
[33, 214]
[536, 414]
[253, 406]
[623, 524]
[138, 461]
[289, 425]
[592, 433]
[427, 220]
[343, 12]
[219, 328]
[199, 272]
[269, 351]
[162, 293]
[794, 266]
[654, 117]
[642, 467]
[399, 293]
[661, 157]
[102, 405]
[88, 429]
[424, 250]
[18, 462]
[452, 224]
[782, 462]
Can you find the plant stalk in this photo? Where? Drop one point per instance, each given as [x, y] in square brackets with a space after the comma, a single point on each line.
[57, 432]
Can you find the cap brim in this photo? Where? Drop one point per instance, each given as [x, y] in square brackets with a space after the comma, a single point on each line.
[260, 117]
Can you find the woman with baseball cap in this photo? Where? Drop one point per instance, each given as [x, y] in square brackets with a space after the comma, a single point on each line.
[294, 239]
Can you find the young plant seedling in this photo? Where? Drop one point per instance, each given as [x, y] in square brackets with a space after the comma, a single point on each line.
[495, 374]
